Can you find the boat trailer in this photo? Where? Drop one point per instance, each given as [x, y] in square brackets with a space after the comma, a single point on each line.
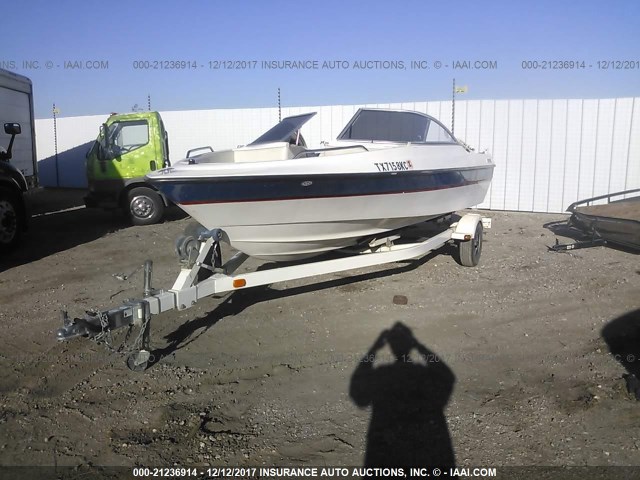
[603, 221]
[203, 274]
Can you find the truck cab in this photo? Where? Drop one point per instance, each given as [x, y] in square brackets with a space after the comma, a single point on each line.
[14, 213]
[127, 148]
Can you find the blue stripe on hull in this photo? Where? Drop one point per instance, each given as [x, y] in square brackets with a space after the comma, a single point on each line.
[193, 191]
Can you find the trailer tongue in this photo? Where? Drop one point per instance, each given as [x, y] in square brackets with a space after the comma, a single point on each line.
[203, 274]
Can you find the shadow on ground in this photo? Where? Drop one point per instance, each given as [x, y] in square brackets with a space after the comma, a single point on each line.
[240, 300]
[407, 397]
[623, 338]
[60, 222]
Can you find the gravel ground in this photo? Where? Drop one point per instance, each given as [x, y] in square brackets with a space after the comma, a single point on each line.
[510, 363]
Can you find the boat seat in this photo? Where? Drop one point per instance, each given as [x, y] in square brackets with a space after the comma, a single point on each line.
[330, 151]
[296, 150]
[222, 156]
[264, 153]
[341, 151]
[274, 151]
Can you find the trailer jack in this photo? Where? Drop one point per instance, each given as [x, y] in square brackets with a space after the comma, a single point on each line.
[98, 325]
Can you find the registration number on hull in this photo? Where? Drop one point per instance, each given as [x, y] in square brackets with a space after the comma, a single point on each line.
[394, 166]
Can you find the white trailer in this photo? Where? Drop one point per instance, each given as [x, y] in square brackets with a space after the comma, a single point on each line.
[203, 274]
[16, 106]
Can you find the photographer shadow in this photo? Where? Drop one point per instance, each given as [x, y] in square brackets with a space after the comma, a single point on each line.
[408, 397]
[623, 338]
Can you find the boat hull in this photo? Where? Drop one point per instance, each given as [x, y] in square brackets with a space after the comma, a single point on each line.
[292, 217]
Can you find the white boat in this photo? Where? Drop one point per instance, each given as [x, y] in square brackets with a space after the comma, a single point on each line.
[276, 199]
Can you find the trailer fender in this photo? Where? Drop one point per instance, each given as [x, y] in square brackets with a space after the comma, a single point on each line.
[465, 228]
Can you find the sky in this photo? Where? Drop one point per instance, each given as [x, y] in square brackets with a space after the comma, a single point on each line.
[95, 57]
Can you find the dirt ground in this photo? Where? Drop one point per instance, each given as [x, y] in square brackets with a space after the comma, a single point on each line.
[510, 363]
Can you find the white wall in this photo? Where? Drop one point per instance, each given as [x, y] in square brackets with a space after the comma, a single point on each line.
[548, 153]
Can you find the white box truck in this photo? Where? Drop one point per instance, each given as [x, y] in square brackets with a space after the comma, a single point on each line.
[18, 162]
[16, 106]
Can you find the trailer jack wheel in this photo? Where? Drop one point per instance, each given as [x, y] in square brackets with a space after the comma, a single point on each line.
[139, 361]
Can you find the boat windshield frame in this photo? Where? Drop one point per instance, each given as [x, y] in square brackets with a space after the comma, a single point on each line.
[345, 135]
[283, 130]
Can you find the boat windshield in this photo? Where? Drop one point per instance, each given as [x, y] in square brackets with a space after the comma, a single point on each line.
[395, 126]
[283, 131]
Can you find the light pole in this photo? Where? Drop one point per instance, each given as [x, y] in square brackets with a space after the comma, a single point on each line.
[55, 142]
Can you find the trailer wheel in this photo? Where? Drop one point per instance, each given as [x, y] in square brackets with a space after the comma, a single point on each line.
[469, 251]
[145, 206]
[11, 221]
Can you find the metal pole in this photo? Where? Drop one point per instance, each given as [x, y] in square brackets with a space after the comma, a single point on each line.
[55, 144]
[149, 102]
[148, 269]
[453, 107]
[279, 109]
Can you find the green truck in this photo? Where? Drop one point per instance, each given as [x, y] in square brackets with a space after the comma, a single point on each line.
[127, 148]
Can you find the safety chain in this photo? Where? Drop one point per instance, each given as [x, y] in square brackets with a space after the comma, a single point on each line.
[105, 334]
[106, 338]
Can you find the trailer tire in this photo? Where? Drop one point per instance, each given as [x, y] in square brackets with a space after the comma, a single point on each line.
[469, 251]
[144, 206]
[11, 218]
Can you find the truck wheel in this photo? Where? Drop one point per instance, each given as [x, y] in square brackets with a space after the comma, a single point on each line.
[469, 251]
[11, 221]
[145, 206]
